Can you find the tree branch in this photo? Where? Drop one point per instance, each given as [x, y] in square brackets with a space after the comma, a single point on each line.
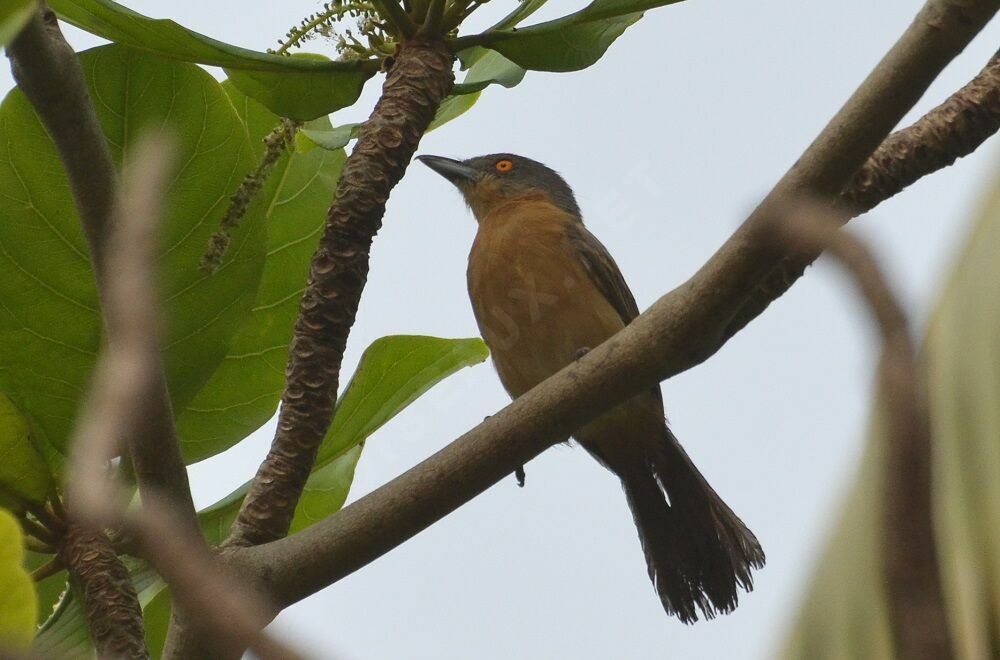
[48, 71]
[420, 78]
[917, 613]
[679, 331]
[227, 611]
[948, 132]
[109, 599]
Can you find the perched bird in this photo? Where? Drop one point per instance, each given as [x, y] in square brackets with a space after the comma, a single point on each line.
[544, 291]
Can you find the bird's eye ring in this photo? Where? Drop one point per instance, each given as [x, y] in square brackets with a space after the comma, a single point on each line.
[504, 166]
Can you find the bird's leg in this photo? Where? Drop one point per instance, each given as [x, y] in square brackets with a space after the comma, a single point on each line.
[580, 352]
[519, 475]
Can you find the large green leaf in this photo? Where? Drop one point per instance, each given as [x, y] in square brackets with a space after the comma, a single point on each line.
[50, 324]
[845, 612]
[393, 372]
[572, 42]
[13, 16]
[24, 474]
[243, 392]
[18, 602]
[297, 87]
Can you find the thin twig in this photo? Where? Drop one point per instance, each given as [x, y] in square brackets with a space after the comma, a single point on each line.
[917, 612]
[47, 569]
[678, 332]
[126, 377]
[48, 71]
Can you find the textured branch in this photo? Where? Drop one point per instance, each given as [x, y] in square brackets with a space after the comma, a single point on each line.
[109, 600]
[679, 331]
[917, 612]
[948, 132]
[48, 71]
[420, 78]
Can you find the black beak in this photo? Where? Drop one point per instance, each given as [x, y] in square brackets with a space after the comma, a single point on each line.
[454, 170]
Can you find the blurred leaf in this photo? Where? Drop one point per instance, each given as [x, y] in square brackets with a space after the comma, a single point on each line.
[393, 372]
[23, 471]
[572, 42]
[50, 324]
[18, 602]
[14, 14]
[296, 87]
[452, 108]
[845, 611]
[244, 391]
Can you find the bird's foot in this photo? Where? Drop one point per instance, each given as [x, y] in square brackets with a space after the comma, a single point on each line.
[519, 475]
[580, 352]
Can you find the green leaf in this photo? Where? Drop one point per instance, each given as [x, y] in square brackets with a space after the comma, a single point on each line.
[490, 68]
[393, 372]
[18, 602]
[14, 14]
[50, 324]
[244, 391]
[332, 139]
[24, 473]
[296, 87]
[572, 42]
[845, 612]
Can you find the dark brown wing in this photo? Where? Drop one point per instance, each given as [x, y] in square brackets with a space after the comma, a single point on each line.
[606, 277]
[603, 271]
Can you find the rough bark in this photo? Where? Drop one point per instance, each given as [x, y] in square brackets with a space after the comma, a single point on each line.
[109, 600]
[418, 81]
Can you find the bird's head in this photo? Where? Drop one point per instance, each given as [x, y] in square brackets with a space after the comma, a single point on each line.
[488, 181]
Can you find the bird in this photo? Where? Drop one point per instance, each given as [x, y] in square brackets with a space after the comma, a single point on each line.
[544, 291]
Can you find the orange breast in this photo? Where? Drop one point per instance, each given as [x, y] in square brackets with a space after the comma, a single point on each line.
[535, 304]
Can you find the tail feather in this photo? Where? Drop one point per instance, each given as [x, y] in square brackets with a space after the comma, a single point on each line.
[697, 550]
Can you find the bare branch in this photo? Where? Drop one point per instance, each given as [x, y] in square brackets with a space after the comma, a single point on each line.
[127, 377]
[917, 612]
[420, 78]
[48, 71]
[678, 332]
[948, 132]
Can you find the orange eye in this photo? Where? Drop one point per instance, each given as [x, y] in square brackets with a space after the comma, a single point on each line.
[504, 166]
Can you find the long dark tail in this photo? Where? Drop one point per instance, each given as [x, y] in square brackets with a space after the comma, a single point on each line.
[697, 550]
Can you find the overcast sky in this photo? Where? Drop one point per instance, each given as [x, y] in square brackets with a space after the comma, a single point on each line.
[669, 141]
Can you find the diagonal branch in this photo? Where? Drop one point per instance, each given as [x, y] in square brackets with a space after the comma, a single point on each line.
[948, 132]
[917, 613]
[420, 78]
[678, 332]
[48, 71]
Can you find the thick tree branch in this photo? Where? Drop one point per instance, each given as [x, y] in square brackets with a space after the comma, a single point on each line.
[679, 331]
[420, 78]
[48, 71]
[917, 613]
[948, 132]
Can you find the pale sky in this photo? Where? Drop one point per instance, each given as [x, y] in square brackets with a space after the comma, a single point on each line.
[669, 142]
